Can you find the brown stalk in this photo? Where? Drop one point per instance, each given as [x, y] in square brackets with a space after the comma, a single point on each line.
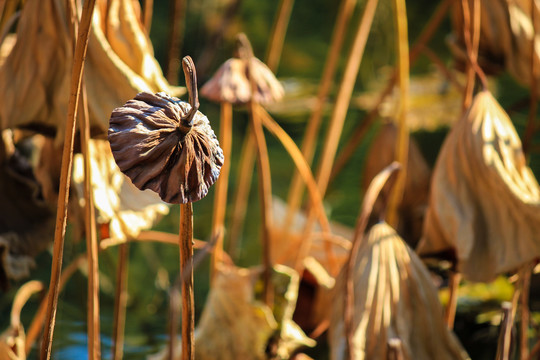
[244, 176]
[525, 278]
[94, 345]
[450, 311]
[371, 195]
[535, 350]
[305, 172]
[505, 335]
[395, 349]
[176, 26]
[222, 186]
[296, 188]
[21, 298]
[157, 236]
[37, 322]
[360, 131]
[533, 105]
[148, 6]
[65, 175]
[186, 264]
[265, 197]
[277, 38]
[120, 301]
[402, 143]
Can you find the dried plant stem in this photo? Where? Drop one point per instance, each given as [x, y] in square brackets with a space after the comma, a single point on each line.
[395, 349]
[186, 265]
[37, 323]
[453, 287]
[157, 236]
[94, 344]
[120, 301]
[360, 131]
[174, 305]
[505, 335]
[176, 26]
[278, 34]
[344, 96]
[222, 186]
[535, 350]
[21, 298]
[296, 188]
[371, 195]
[147, 14]
[525, 278]
[265, 198]
[533, 105]
[244, 176]
[65, 176]
[402, 141]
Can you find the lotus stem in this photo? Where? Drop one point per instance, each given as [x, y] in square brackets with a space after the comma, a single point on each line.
[296, 188]
[505, 335]
[359, 132]
[147, 14]
[533, 105]
[278, 34]
[37, 322]
[222, 186]
[244, 176]
[395, 349]
[453, 286]
[65, 176]
[402, 143]
[120, 302]
[156, 236]
[371, 195]
[176, 26]
[186, 266]
[94, 344]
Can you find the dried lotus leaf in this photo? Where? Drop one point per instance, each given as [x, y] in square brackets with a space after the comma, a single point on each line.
[393, 297]
[156, 151]
[126, 209]
[231, 83]
[485, 202]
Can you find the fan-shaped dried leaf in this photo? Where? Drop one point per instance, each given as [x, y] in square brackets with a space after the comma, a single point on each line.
[393, 297]
[125, 208]
[236, 325]
[415, 197]
[36, 92]
[231, 83]
[157, 152]
[485, 201]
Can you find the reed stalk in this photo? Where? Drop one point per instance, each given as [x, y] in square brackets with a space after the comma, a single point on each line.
[65, 176]
[371, 195]
[402, 141]
[296, 189]
[120, 302]
[186, 266]
[222, 185]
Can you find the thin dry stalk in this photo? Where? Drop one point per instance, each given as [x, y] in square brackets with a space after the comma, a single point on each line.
[395, 349]
[278, 34]
[525, 278]
[402, 144]
[94, 344]
[533, 106]
[148, 7]
[120, 302]
[535, 350]
[37, 322]
[453, 286]
[505, 335]
[296, 189]
[176, 26]
[65, 176]
[186, 265]
[265, 198]
[174, 304]
[222, 186]
[371, 195]
[359, 132]
[21, 298]
[157, 236]
[244, 176]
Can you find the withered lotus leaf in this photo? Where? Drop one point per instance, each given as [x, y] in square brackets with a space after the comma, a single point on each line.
[485, 201]
[393, 297]
[157, 150]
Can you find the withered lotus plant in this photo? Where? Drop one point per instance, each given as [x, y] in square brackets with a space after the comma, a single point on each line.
[393, 297]
[485, 202]
[168, 146]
